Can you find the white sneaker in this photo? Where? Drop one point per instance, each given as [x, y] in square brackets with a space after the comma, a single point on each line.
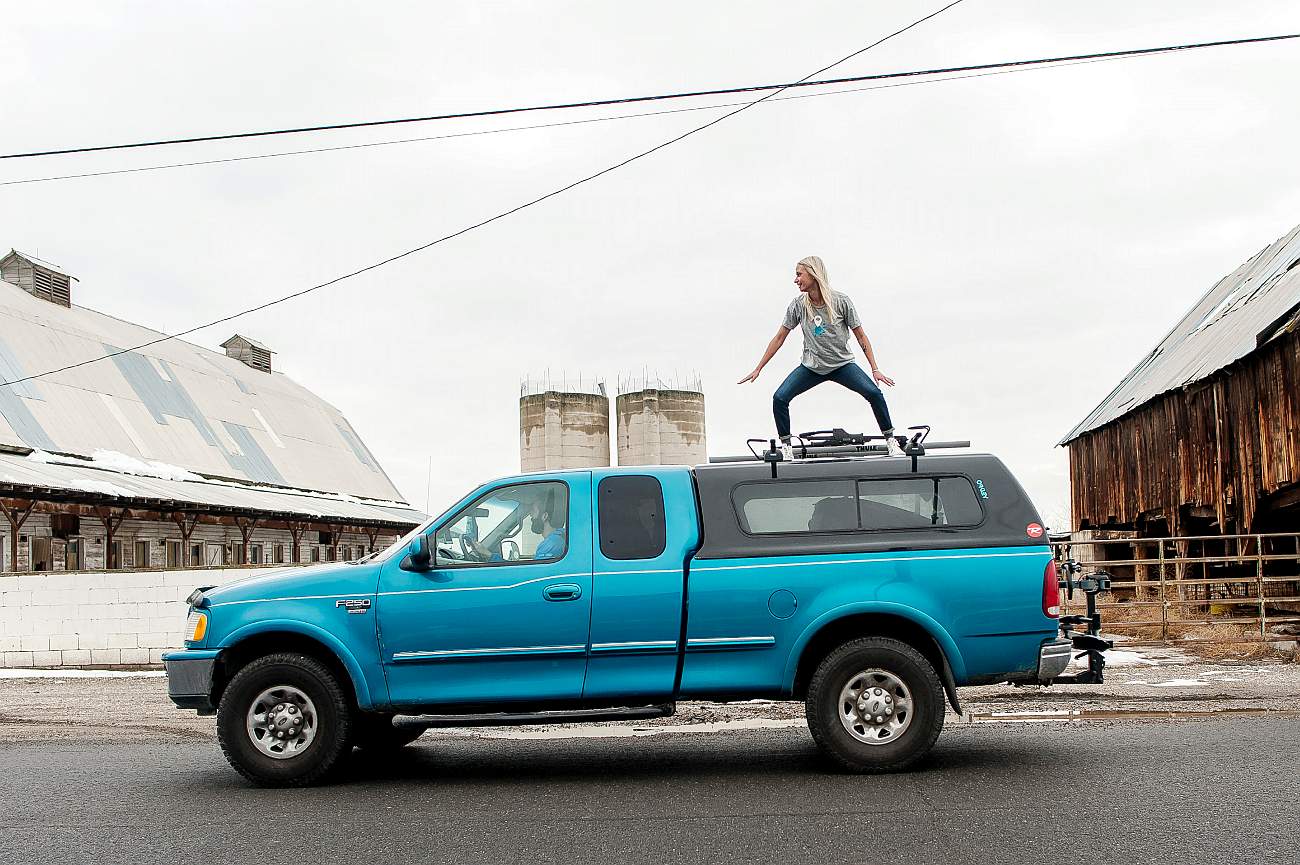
[892, 448]
[787, 452]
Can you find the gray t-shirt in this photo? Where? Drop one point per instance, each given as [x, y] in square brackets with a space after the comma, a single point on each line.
[825, 345]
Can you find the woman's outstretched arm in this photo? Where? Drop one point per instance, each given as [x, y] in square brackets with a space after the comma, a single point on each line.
[871, 356]
[772, 348]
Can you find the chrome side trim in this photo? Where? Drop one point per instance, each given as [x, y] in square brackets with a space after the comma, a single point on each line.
[725, 644]
[505, 652]
[650, 647]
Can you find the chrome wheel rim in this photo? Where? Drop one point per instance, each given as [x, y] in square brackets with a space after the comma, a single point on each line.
[875, 707]
[282, 722]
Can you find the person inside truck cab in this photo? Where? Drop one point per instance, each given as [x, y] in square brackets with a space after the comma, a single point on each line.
[826, 319]
[547, 516]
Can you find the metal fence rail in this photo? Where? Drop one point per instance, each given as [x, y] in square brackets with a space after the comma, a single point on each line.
[1164, 589]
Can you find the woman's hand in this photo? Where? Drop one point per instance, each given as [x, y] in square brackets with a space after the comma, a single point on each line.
[882, 378]
[775, 343]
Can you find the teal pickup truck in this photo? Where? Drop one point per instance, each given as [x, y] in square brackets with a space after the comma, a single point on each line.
[869, 587]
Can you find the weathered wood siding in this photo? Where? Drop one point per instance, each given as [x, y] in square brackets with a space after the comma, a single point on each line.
[1223, 443]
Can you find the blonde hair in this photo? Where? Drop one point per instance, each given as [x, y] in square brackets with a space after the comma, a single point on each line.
[816, 268]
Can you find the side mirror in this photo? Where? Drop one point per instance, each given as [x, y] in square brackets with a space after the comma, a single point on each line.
[418, 557]
[509, 551]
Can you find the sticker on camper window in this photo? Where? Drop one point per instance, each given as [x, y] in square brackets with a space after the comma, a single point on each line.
[818, 327]
[1034, 530]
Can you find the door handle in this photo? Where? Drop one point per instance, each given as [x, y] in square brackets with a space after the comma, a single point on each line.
[562, 592]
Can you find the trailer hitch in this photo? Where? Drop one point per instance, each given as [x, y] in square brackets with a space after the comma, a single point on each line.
[1089, 641]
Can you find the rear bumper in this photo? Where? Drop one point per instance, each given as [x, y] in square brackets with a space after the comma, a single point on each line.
[1053, 658]
[189, 678]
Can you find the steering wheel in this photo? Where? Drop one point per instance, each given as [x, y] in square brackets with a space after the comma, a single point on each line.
[472, 551]
[456, 549]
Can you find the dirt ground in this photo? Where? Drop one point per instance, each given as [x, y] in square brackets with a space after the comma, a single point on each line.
[84, 706]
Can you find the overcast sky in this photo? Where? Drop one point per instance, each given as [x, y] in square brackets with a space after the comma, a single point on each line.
[1014, 244]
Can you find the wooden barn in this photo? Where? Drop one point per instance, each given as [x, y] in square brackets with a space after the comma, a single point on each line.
[1202, 437]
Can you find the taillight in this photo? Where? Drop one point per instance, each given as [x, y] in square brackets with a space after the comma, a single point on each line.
[1051, 592]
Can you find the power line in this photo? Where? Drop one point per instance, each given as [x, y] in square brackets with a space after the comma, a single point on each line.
[561, 123]
[776, 88]
[502, 215]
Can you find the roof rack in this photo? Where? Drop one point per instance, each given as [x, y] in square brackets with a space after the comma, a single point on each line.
[838, 443]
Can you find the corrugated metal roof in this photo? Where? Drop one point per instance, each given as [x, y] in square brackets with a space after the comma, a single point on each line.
[16, 471]
[1239, 314]
[173, 402]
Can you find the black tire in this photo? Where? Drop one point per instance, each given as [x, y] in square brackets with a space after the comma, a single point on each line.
[843, 666]
[374, 733]
[333, 720]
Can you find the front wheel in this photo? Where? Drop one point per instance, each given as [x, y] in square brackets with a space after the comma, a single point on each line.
[284, 720]
[875, 705]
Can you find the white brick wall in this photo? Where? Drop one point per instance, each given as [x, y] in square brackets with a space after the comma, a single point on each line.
[97, 619]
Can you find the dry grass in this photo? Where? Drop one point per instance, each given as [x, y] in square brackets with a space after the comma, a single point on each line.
[1230, 640]
[1217, 640]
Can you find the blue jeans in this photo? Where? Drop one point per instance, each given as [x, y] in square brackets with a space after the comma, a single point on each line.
[850, 375]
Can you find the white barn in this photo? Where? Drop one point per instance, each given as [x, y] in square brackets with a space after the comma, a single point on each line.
[170, 455]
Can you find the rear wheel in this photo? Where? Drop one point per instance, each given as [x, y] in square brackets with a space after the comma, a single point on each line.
[875, 705]
[284, 720]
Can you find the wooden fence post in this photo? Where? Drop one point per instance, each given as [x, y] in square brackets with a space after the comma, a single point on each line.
[16, 516]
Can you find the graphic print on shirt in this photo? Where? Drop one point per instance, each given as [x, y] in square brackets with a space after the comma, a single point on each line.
[818, 327]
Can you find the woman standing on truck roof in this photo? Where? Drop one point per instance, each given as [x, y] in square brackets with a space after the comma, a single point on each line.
[826, 317]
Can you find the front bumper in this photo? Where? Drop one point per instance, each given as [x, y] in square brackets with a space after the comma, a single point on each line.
[189, 678]
[1053, 658]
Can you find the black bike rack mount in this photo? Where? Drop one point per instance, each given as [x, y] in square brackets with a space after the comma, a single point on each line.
[1089, 642]
[838, 443]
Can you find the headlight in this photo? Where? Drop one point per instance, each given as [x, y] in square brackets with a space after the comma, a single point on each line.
[196, 627]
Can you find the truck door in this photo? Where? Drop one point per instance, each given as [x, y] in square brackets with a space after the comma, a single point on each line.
[646, 526]
[503, 616]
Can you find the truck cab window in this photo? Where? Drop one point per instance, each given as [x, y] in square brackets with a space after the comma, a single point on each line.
[917, 503]
[631, 519]
[519, 523]
[796, 506]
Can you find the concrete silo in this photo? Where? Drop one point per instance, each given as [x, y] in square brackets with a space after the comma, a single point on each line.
[563, 425]
[660, 422]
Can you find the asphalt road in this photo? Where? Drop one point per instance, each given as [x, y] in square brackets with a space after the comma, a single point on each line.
[1125, 792]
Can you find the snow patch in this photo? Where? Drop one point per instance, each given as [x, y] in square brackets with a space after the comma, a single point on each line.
[106, 488]
[121, 463]
[1121, 658]
[128, 465]
[1181, 683]
[113, 461]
